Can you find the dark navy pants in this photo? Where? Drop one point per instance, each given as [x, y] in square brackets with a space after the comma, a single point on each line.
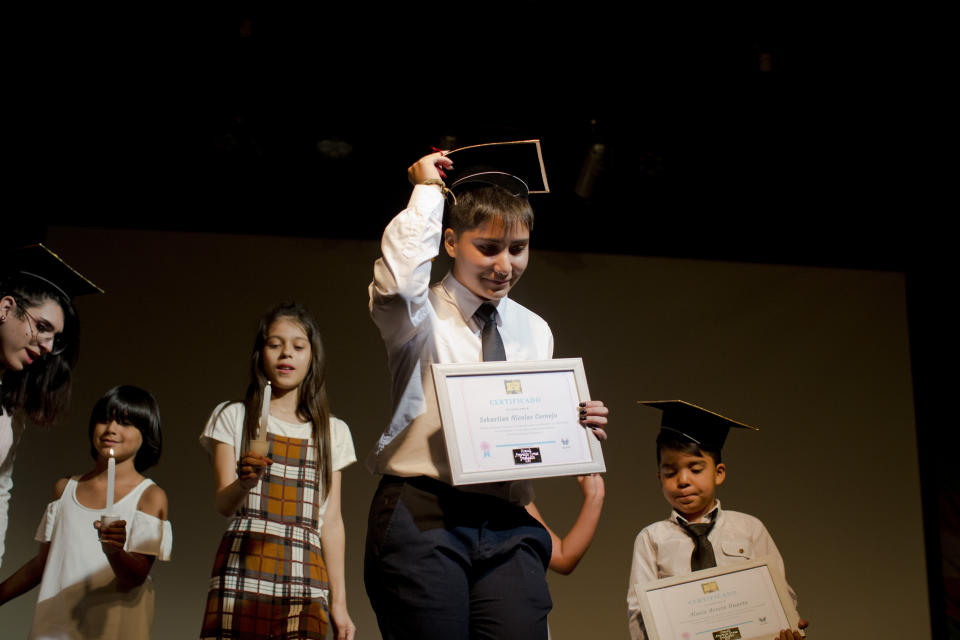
[453, 565]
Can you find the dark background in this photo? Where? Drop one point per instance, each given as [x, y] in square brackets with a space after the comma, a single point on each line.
[758, 135]
[789, 137]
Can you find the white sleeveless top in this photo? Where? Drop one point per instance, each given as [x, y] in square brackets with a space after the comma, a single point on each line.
[79, 597]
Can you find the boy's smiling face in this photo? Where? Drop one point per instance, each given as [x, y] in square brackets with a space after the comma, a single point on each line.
[689, 482]
[490, 258]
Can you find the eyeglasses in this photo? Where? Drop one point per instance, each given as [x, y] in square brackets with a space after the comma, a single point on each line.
[47, 336]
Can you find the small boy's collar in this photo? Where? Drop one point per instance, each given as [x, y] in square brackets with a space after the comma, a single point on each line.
[711, 516]
[467, 301]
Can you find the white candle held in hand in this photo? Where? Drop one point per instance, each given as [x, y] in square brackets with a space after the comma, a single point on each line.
[111, 480]
[259, 445]
[265, 411]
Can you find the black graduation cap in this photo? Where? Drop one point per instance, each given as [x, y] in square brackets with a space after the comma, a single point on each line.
[706, 428]
[516, 166]
[39, 262]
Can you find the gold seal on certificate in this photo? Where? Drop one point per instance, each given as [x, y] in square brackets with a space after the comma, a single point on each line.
[515, 420]
[733, 602]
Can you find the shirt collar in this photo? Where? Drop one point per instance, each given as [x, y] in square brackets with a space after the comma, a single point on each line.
[711, 516]
[467, 301]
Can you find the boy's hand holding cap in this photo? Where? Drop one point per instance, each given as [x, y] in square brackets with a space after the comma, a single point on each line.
[427, 170]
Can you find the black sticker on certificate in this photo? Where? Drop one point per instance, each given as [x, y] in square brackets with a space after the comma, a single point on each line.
[733, 633]
[527, 455]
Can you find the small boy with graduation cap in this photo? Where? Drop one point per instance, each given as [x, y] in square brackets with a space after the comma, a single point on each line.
[443, 561]
[698, 534]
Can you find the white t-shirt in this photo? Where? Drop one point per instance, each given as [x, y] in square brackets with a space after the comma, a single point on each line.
[79, 596]
[227, 427]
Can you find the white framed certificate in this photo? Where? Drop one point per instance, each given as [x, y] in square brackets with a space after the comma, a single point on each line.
[515, 420]
[733, 602]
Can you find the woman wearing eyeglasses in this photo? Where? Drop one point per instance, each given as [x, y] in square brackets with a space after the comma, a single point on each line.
[38, 349]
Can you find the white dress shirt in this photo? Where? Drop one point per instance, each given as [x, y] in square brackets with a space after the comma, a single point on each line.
[421, 325]
[663, 549]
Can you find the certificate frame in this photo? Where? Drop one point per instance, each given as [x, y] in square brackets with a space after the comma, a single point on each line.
[674, 587]
[448, 381]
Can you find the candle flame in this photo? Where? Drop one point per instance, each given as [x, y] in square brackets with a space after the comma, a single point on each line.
[111, 452]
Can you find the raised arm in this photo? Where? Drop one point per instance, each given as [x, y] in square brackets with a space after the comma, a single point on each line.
[401, 276]
[568, 551]
[333, 540]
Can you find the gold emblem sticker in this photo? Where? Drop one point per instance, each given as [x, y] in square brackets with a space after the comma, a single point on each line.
[512, 386]
[709, 587]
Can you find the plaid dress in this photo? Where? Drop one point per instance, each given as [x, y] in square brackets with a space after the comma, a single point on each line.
[269, 580]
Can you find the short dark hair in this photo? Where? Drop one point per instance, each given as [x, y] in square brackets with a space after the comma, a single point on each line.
[478, 205]
[673, 441]
[133, 406]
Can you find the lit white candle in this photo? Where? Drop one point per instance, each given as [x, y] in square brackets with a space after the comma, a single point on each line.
[265, 411]
[111, 479]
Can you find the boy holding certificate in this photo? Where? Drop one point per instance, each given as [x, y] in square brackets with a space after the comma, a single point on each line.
[698, 534]
[444, 561]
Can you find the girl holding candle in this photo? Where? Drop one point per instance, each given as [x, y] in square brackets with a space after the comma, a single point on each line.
[96, 584]
[38, 349]
[279, 571]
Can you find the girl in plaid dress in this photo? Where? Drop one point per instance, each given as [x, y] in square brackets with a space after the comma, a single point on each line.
[279, 571]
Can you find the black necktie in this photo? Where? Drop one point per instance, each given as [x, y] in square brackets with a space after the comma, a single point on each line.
[489, 336]
[702, 556]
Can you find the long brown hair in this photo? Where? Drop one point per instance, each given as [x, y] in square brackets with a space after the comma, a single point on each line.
[312, 406]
